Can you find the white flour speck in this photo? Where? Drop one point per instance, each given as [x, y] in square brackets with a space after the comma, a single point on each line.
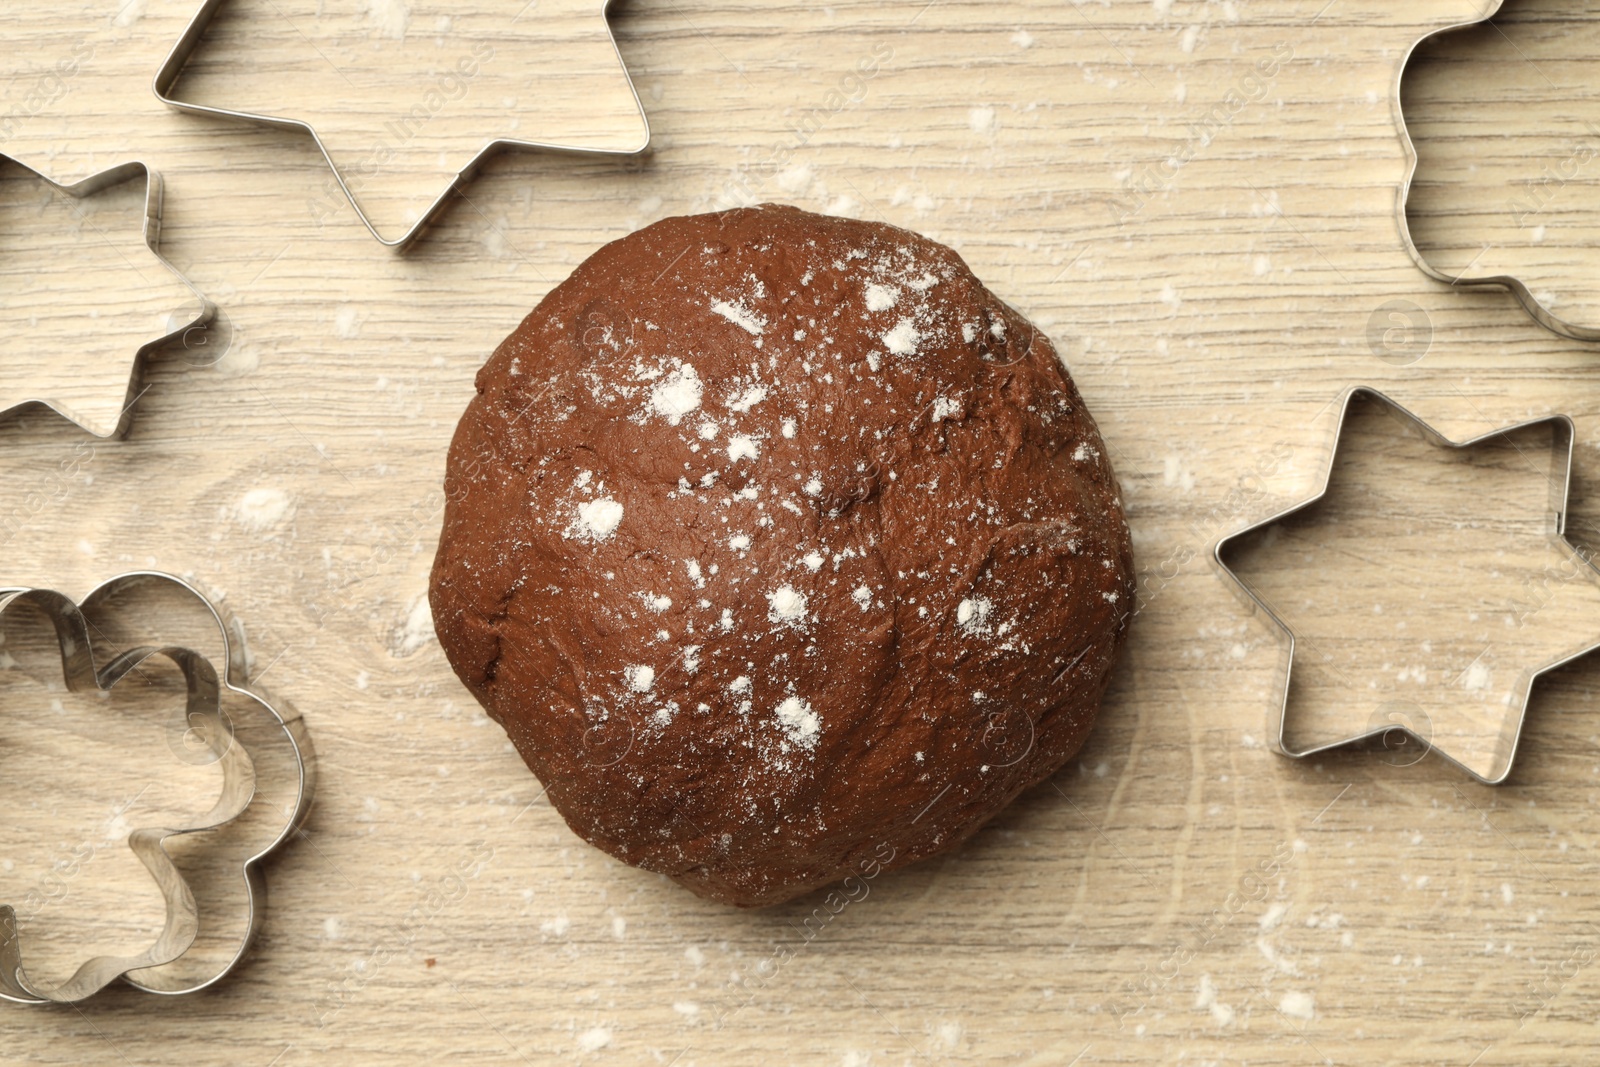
[789, 428]
[862, 596]
[944, 407]
[902, 340]
[881, 297]
[677, 394]
[814, 486]
[739, 542]
[748, 398]
[813, 562]
[743, 446]
[973, 615]
[799, 722]
[788, 604]
[742, 317]
[598, 519]
[639, 677]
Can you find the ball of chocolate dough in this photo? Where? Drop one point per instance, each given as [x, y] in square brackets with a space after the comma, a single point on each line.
[782, 549]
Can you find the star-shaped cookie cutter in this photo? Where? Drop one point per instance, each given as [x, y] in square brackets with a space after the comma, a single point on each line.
[1563, 437]
[151, 232]
[75, 632]
[1530, 303]
[172, 68]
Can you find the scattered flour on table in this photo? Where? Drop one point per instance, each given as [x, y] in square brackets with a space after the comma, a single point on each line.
[414, 631]
[1206, 1000]
[130, 12]
[594, 1039]
[1297, 1005]
[262, 509]
[389, 18]
[347, 322]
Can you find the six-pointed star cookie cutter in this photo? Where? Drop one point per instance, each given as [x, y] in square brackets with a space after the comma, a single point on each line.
[1562, 435]
[167, 77]
[151, 230]
[204, 717]
[1541, 314]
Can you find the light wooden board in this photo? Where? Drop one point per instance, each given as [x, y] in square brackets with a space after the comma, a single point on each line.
[1179, 893]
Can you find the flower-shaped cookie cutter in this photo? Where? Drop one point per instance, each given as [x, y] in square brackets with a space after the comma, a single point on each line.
[1530, 303]
[206, 688]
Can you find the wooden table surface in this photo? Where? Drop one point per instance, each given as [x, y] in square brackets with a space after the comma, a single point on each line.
[1196, 199]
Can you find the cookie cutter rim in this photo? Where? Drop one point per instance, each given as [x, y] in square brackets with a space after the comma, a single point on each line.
[150, 230]
[294, 728]
[1530, 303]
[1563, 442]
[203, 698]
[171, 69]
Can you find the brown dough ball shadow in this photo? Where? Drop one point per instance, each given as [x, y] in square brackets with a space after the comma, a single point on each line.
[778, 544]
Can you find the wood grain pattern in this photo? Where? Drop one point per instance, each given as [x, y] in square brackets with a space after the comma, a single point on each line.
[1209, 244]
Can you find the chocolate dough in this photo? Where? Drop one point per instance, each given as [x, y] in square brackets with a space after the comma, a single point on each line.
[780, 546]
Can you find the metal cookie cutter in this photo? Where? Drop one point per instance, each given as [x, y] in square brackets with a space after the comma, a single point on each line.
[172, 68]
[154, 969]
[1541, 314]
[1498, 768]
[151, 230]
